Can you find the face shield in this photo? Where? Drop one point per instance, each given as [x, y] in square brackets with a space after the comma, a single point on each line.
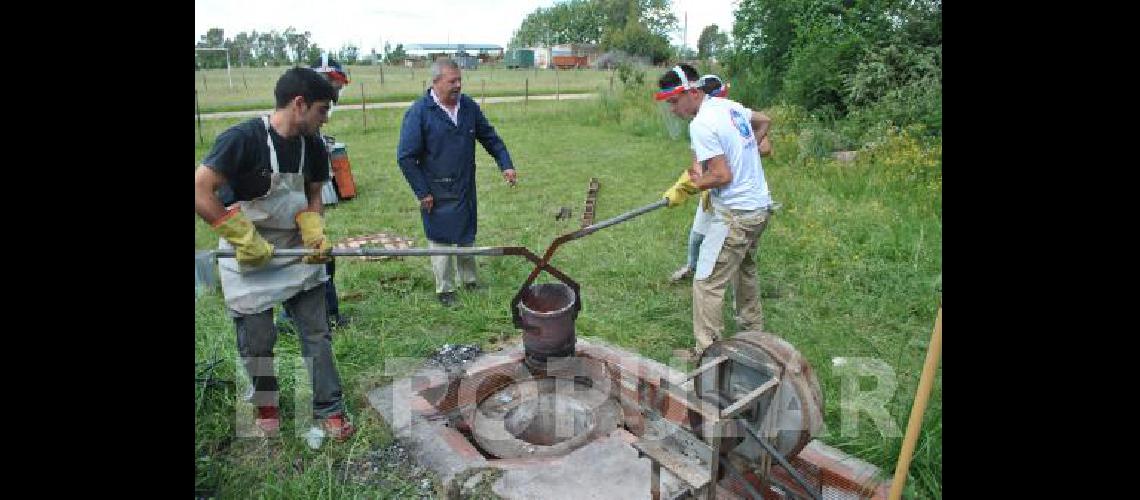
[674, 124]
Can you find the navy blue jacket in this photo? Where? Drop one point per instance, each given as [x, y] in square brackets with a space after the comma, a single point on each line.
[438, 158]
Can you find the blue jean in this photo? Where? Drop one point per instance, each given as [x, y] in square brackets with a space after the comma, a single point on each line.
[695, 240]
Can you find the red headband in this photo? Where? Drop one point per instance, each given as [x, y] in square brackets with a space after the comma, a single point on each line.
[663, 94]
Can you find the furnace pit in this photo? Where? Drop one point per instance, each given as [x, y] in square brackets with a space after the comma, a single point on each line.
[569, 430]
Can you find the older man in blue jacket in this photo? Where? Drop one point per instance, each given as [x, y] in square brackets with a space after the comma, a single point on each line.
[437, 156]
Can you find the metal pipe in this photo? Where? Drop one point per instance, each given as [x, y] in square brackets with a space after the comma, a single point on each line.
[621, 218]
[377, 252]
[780, 458]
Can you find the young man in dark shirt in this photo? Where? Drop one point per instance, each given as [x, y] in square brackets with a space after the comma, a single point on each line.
[275, 166]
[338, 78]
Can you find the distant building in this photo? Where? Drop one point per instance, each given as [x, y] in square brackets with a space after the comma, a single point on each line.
[467, 55]
[544, 56]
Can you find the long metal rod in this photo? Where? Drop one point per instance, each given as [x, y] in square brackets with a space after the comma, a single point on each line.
[749, 399]
[621, 218]
[705, 367]
[377, 252]
[780, 458]
[713, 439]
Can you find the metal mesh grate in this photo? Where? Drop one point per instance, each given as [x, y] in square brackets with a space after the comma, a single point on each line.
[824, 483]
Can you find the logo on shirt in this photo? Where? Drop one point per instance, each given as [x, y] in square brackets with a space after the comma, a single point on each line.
[741, 123]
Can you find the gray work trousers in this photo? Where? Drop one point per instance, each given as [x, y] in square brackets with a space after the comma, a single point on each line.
[257, 334]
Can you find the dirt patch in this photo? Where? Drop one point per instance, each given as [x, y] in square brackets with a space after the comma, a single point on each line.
[452, 356]
[391, 468]
[475, 484]
[500, 341]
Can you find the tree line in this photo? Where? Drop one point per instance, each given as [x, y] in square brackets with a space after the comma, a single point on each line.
[637, 27]
[271, 48]
[861, 61]
[858, 61]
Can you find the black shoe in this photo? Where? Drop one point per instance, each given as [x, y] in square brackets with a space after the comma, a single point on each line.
[448, 299]
[471, 287]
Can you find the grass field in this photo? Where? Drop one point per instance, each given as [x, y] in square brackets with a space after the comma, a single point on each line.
[253, 87]
[850, 268]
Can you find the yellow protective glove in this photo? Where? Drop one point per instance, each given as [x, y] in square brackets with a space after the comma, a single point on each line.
[313, 236]
[706, 201]
[681, 190]
[252, 249]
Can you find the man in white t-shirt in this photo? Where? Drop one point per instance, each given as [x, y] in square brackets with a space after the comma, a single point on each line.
[715, 87]
[723, 138]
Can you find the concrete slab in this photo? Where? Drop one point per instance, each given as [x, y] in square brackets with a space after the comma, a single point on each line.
[606, 468]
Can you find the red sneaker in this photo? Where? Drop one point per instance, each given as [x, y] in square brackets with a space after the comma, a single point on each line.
[338, 427]
[268, 420]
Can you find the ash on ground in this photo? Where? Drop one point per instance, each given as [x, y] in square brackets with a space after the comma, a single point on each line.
[391, 468]
[454, 356]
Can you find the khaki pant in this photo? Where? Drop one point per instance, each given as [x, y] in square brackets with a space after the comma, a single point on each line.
[735, 264]
[444, 266]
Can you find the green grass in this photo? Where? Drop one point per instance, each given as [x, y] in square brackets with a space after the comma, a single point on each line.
[253, 87]
[848, 269]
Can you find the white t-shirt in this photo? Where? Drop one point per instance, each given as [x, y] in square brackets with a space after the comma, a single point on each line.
[723, 126]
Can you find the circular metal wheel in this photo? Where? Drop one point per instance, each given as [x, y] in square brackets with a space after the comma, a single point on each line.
[755, 358]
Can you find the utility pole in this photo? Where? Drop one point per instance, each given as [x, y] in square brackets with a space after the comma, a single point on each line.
[685, 40]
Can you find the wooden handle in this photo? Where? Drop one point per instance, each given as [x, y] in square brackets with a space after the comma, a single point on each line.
[925, 383]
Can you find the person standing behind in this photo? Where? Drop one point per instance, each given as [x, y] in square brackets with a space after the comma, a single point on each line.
[275, 166]
[723, 136]
[338, 78]
[436, 154]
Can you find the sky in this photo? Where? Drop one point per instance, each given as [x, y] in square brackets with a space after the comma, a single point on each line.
[369, 24]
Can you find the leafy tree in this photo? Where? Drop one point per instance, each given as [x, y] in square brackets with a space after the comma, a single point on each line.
[273, 49]
[575, 21]
[241, 50]
[639, 27]
[657, 16]
[297, 44]
[867, 59]
[397, 55]
[313, 54]
[213, 39]
[348, 54]
[636, 39]
[711, 41]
